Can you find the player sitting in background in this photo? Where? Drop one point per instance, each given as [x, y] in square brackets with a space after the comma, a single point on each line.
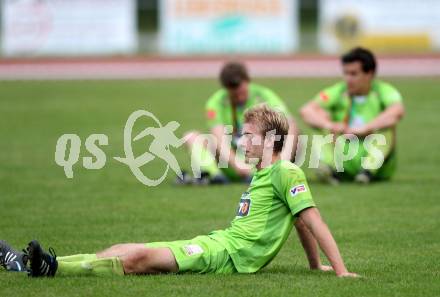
[277, 199]
[360, 105]
[225, 109]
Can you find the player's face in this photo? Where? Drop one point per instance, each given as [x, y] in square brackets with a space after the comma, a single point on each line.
[358, 82]
[251, 142]
[239, 95]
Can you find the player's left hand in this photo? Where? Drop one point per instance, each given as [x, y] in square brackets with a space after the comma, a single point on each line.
[359, 131]
[349, 274]
[325, 268]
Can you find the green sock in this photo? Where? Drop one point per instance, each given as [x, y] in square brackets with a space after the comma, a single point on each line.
[201, 153]
[97, 267]
[76, 258]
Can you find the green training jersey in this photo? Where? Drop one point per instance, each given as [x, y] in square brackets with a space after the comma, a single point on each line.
[265, 216]
[219, 111]
[357, 111]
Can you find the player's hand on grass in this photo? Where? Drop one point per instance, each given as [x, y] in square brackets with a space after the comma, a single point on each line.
[348, 274]
[325, 268]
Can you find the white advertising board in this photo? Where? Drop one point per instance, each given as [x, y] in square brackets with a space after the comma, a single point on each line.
[68, 27]
[398, 25]
[228, 26]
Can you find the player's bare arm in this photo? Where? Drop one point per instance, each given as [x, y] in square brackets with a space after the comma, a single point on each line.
[313, 221]
[226, 153]
[315, 116]
[388, 118]
[309, 244]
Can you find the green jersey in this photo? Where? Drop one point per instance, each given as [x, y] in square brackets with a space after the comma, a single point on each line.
[265, 216]
[357, 110]
[219, 111]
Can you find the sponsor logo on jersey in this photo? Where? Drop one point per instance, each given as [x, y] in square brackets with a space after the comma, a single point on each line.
[360, 99]
[211, 114]
[244, 206]
[298, 189]
[324, 97]
[192, 249]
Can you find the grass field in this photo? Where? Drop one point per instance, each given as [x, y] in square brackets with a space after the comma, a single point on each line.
[387, 232]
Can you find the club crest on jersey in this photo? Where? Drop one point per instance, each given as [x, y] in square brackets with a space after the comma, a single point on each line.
[192, 249]
[298, 189]
[245, 205]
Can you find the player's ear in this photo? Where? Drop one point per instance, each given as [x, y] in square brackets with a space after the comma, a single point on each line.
[370, 74]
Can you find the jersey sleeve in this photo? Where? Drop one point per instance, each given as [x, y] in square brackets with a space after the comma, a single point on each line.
[275, 102]
[213, 110]
[328, 97]
[389, 95]
[291, 186]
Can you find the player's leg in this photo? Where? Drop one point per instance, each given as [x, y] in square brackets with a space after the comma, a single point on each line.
[353, 166]
[119, 250]
[202, 154]
[388, 168]
[330, 171]
[372, 155]
[43, 264]
[135, 259]
[77, 257]
[143, 260]
[389, 154]
[201, 254]
[198, 255]
[113, 251]
[326, 171]
[232, 174]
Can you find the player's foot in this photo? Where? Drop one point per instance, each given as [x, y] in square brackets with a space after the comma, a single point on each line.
[16, 266]
[204, 179]
[12, 260]
[218, 179]
[42, 263]
[185, 180]
[364, 177]
[327, 175]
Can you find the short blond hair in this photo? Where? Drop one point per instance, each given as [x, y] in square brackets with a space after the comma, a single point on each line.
[268, 119]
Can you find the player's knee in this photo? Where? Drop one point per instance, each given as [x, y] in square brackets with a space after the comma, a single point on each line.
[137, 262]
[191, 137]
[129, 265]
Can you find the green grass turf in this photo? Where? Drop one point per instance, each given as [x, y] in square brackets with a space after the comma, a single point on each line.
[387, 232]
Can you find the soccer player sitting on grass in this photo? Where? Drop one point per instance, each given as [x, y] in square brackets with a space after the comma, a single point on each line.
[277, 199]
[224, 110]
[360, 105]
